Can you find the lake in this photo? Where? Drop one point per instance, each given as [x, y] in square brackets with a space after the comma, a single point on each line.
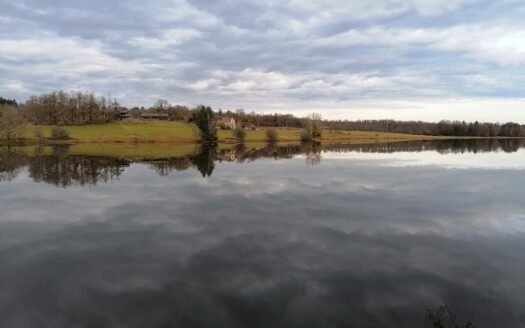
[370, 235]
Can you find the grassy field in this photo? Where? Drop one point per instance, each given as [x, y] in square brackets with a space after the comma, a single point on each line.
[180, 132]
[128, 132]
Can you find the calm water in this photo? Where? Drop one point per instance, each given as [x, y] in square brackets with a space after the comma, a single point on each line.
[359, 236]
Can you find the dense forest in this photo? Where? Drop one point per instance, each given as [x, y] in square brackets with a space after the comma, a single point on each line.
[77, 108]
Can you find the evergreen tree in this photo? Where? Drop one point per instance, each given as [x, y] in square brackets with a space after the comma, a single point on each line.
[8, 102]
[204, 121]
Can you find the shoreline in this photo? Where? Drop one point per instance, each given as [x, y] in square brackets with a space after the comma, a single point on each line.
[232, 141]
[155, 150]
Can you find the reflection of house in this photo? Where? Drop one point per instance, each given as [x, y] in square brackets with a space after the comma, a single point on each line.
[154, 116]
[227, 155]
[226, 123]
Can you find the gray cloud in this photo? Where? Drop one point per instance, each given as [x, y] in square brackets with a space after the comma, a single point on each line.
[344, 58]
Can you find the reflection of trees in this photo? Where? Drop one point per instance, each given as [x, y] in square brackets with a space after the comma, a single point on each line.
[312, 151]
[11, 163]
[165, 166]
[442, 317]
[511, 145]
[58, 151]
[240, 148]
[452, 146]
[204, 160]
[477, 145]
[62, 170]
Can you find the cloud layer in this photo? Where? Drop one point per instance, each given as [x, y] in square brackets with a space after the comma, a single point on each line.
[403, 59]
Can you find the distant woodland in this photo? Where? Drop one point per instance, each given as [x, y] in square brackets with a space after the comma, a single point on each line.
[78, 108]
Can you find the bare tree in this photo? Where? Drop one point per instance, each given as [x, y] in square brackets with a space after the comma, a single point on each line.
[312, 128]
[161, 105]
[306, 134]
[11, 123]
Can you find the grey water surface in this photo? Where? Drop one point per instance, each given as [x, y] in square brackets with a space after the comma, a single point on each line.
[292, 236]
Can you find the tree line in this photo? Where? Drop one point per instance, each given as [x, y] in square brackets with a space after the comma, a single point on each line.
[73, 108]
[442, 128]
[8, 102]
[78, 108]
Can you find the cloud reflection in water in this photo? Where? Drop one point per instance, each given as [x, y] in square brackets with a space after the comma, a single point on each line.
[265, 244]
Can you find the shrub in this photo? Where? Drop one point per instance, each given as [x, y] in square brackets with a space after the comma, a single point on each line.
[59, 134]
[239, 134]
[271, 136]
[306, 136]
[307, 133]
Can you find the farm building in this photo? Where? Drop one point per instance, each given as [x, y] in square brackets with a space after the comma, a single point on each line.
[226, 123]
[154, 116]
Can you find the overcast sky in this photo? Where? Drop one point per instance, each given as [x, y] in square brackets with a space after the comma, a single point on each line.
[402, 59]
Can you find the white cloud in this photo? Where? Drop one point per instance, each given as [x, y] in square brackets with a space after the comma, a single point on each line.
[504, 45]
[168, 38]
[182, 12]
[467, 109]
[437, 7]
[4, 19]
[203, 84]
[65, 56]
[15, 86]
[320, 13]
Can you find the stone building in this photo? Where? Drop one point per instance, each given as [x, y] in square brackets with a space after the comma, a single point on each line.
[226, 123]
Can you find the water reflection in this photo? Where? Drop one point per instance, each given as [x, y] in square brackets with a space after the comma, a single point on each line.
[447, 146]
[205, 160]
[275, 243]
[61, 169]
[11, 163]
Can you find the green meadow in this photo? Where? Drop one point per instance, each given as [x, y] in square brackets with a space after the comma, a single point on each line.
[169, 132]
